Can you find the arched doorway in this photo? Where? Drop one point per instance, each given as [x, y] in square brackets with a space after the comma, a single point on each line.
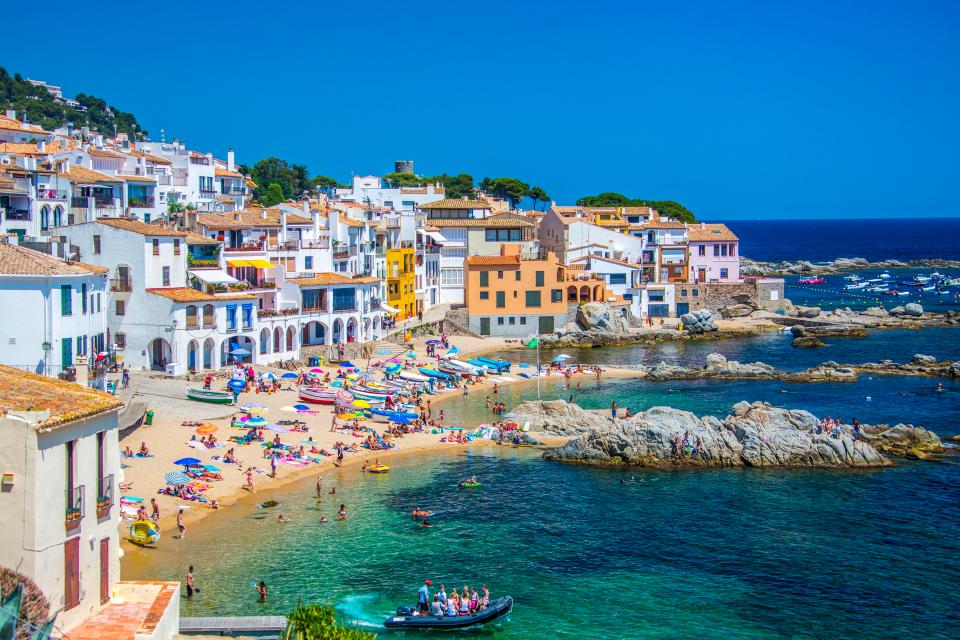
[277, 340]
[208, 347]
[265, 340]
[314, 332]
[572, 293]
[192, 349]
[237, 348]
[584, 293]
[337, 330]
[58, 216]
[44, 218]
[159, 352]
[291, 339]
[351, 330]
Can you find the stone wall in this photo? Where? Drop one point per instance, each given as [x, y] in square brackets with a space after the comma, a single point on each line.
[753, 291]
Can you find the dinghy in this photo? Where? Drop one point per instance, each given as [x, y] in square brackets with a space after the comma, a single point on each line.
[206, 395]
[144, 532]
[404, 618]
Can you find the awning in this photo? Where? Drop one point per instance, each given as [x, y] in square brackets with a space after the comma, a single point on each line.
[388, 308]
[214, 276]
[437, 237]
[259, 263]
[453, 243]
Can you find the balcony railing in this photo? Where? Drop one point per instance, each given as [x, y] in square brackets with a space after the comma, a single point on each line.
[209, 190]
[17, 214]
[179, 181]
[104, 203]
[344, 252]
[121, 285]
[141, 203]
[322, 243]
[233, 191]
[104, 495]
[74, 511]
[51, 194]
[164, 179]
[202, 161]
[434, 249]
[247, 246]
[274, 313]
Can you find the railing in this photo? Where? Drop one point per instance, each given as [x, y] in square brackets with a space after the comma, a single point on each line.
[204, 160]
[179, 181]
[344, 252]
[433, 248]
[74, 511]
[21, 184]
[17, 214]
[104, 495]
[247, 246]
[80, 202]
[121, 285]
[104, 203]
[164, 179]
[51, 194]
[274, 313]
[141, 203]
[322, 243]
[232, 191]
[208, 190]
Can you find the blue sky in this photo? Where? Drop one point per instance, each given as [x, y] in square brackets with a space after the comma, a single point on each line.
[736, 109]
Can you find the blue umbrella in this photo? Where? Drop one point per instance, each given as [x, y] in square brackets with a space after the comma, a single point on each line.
[289, 376]
[177, 477]
[239, 351]
[236, 384]
[186, 462]
[210, 467]
[301, 407]
[348, 365]
[434, 341]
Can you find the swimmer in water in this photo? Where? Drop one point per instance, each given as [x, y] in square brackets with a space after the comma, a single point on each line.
[939, 387]
[342, 513]
[426, 523]
[323, 519]
[333, 490]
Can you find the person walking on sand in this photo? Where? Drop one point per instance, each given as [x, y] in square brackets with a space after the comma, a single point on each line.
[190, 586]
[273, 465]
[249, 485]
[155, 510]
[180, 526]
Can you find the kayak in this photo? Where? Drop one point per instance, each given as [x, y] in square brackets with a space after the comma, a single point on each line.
[206, 395]
[470, 485]
[144, 532]
[404, 618]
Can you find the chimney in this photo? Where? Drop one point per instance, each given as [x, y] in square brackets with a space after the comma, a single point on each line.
[12, 114]
[283, 225]
[703, 225]
[230, 164]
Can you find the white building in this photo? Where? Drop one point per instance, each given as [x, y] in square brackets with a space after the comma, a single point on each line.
[54, 311]
[572, 237]
[369, 191]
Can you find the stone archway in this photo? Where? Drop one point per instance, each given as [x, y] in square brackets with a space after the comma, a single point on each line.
[584, 293]
[291, 339]
[572, 293]
[159, 352]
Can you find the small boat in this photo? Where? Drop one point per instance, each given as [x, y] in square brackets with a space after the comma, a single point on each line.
[371, 395]
[853, 278]
[414, 377]
[902, 293]
[318, 395]
[877, 289]
[929, 288]
[378, 468]
[811, 280]
[383, 415]
[501, 365]
[859, 285]
[404, 618]
[206, 395]
[433, 373]
[144, 532]
[471, 485]
[459, 367]
[885, 275]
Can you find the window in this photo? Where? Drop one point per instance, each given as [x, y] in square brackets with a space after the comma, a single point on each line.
[98, 302]
[121, 308]
[176, 246]
[501, 300]
[683, 293]
[499, 275]
[502, 235]
[500, 320]
[695, 292]
[247, 315]
[702, 250]
[539, 278]
[513, 320]
[716, 250]
[308, 263]
[345, 299]
[516, 275]
[655, 295]
[724, 273]
[156, 246]
[311, 300]
[523, 319]
[79, 346]
[166, 276]
[96, 245]
[66, 352]
[231, 317]
[83, 299]
[484, 295]
[451, 277]
[66, 300]
[618, 278]
[533, 298]
[556, 295]
[723, 250]
[484, 278]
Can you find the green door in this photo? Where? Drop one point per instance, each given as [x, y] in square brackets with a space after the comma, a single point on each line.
[484, 326]
[546, 324]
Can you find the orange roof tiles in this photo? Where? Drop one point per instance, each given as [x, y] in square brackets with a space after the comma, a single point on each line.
[82, 175]
[142, 228]
[491, 261]
[104, 153]
[480, 222]
[455, 203]
[710, 233]
[66, 401]
[137, 178]
[219, 221]
[184, 294]
[11, 124]
[226, 173]
[16, 260]
[327, 278]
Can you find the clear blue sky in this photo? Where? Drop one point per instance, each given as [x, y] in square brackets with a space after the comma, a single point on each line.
[736, 109]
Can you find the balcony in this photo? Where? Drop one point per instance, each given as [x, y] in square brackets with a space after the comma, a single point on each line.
[246, 246]
[322, 243]
[341, 252]
[208, 192]
[201, 160]
[104, 496]
[164, 179]
[433, 249]
[141, 203]
[74, 511]
[121, 285]
[14, 185]
[16, 214]
[179, 181]
[51, 194]
[233, 191]
[278, 313]
[104, 203]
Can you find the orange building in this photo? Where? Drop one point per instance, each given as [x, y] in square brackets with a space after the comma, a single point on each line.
[516, 295]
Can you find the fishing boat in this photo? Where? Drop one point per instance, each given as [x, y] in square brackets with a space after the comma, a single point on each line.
[885, 275]
[371, 395]
[929, 288]
[206, 395]
[502, 366]
[144, 532]
[811, 280]
[853, 278]
[318, 395]
[459, 367]
[404, 618]
[859, 285]
[877, 289]
[433, 373]
[414, 377]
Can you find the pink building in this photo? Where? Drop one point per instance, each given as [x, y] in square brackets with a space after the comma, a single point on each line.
[714, 253]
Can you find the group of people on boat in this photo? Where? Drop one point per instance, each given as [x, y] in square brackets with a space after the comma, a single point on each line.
[441, 605]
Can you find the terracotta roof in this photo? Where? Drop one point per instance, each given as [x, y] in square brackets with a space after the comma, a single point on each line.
[82, 175]
[196, 238]
[138, 178]
[142, 228]
[491, 261]
[255, 218]
[149, 157]
[331, 278]
[659, 224]
[66, 401]
[219, 221]
[20, 148]
[226, 173]
[453, 203]
[292, 217]
[104, 153]
[184, 294]
[480, 222]
[710, 233]
[350, 222]
[20, 261]
[18, 125]
[576, 267]
[428, 227]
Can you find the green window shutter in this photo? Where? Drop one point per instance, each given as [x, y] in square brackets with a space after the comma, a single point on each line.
[501, 300]
[66, 300]
[556, 295]
[517, 276]
[484, 278]
[533, 298]
[539, 278]
[66, 352]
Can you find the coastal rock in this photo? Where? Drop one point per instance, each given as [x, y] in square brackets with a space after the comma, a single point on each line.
[808, 312]
[736, 311]
[754, 435]
[875, 312]
[798, 330]
[913, 309]
[897, 310]
[923, 360]
[762, 314]
[901, 439]
[599, 316]
[698, 321]
[808, 342]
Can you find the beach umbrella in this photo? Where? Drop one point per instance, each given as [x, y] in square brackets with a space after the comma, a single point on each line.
[400, 419]
[239, 351]
[177, 477]
[289, 376]
[361, 404]
[237, 384]
[276, 428]
[267, 375]
[562, 356]
[452, 351]
[186, 462]
[289, 409]
[210, 467]
[206, 429]
[316, 370]
[255, 422]
[301, 407]
[434, 341]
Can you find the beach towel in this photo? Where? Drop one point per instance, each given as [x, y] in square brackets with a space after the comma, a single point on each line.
[196, 444]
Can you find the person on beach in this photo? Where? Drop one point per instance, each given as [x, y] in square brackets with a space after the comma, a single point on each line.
[155, 510]
[180, 526]
[249, 484]
[342, 512]
[273, 465]
[423, 597]
[190, 586]
[319, 487]
[613, 409]
[262, 590]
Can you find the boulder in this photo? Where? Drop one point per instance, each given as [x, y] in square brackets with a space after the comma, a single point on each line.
[913, 309]
[736, 311]
[762, 314]
[808, 312]
[698, 321]
[808, 342]
[876, 312]
[923, 360]
[599, 316]
[897, 311]
[798, 330]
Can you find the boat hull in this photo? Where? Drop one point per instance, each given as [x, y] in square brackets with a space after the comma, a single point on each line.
[212, 397]
[497, 609]
[144, 532]
[318, 396]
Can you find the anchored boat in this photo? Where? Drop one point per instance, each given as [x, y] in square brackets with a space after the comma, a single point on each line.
[206, 395]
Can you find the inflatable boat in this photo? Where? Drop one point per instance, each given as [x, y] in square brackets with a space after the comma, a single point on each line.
[144, 532]
[404, 618]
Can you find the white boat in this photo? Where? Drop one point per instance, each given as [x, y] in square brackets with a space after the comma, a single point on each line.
[877, 289]
[902, 293]
[936, 274]
[853, 278]
[414, 377]
[885, 276]
[930, 288]
[922, 278]
[875, 280]
[859, 285]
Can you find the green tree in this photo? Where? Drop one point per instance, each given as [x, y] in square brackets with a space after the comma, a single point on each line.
[325, 183]
[459, 186]
[314, 622]
[666, 207]
[403, 180]
[273, 170]
[273, 196]
[300, 180]
[510, 189]
[538, 195]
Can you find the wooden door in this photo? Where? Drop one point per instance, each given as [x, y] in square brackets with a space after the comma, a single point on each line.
[71, 573]
[104, 570]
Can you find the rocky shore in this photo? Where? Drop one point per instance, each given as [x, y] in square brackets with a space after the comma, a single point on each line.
[804, 267]
[753, 435]
[849, 322]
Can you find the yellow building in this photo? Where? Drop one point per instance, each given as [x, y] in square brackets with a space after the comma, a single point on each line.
[401, 284]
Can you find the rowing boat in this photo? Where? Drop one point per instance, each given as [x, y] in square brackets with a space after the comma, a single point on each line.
[206, 395]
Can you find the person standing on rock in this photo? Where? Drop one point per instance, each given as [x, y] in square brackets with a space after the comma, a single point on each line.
[613, 409]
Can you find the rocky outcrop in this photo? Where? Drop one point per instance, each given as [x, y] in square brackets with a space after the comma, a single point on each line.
[698, 321]
[904, 440]
[598, 316]
[808, 342]
[753, 435]
[913, 309]
[805, 267]
[717, 367]
[919, 365]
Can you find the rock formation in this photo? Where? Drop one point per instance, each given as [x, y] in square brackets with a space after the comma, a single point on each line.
[598, 316]
[698, 321]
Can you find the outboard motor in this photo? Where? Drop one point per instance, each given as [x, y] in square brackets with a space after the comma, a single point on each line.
[405, 611]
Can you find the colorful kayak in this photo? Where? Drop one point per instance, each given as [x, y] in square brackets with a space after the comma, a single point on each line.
[206, 395]
[318, 395]
[144, 532]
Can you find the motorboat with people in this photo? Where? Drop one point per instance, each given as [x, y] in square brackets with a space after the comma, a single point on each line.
[811, 280]
[407, 618]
